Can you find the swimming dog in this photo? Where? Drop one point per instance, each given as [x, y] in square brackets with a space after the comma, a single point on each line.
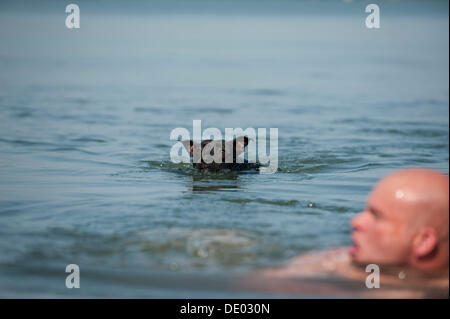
[223, 148]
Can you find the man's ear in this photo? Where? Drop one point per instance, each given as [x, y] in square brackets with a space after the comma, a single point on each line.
[189, 145]
[425, 242]
[239, 144]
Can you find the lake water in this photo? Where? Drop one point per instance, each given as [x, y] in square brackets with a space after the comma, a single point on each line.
[85, 171]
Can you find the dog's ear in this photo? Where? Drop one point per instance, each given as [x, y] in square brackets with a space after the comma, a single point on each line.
[189, 145]
[239, 144]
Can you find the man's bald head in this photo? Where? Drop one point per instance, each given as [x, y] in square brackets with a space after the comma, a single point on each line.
[421, 195]
[406, 220]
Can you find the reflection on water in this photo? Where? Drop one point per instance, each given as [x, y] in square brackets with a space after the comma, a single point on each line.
[207, 187]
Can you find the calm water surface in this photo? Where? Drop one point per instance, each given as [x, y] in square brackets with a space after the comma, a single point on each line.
[85, 172]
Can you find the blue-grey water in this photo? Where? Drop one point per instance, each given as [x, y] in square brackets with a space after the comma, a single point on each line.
[86, 114]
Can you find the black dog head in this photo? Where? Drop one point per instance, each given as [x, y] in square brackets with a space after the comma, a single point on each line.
[237, 146]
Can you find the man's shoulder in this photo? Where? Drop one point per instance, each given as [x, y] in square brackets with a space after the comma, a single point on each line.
[313, 263]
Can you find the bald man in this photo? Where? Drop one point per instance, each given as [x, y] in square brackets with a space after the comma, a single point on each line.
[405, 222]
[403, 230]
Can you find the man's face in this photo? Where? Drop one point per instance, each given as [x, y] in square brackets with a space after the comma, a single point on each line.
[380, 233]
